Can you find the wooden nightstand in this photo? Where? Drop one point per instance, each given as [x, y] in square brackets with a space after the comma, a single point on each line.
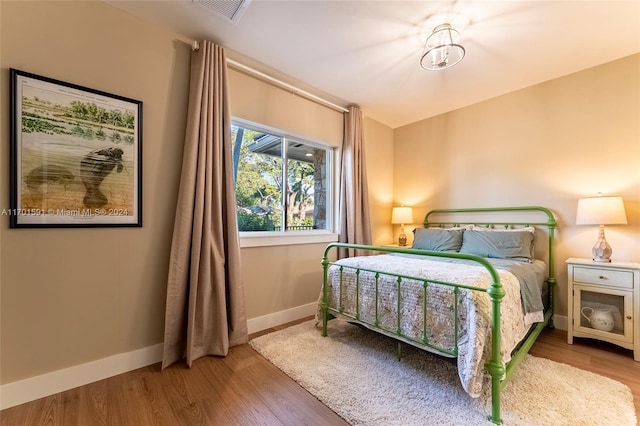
[604, 302]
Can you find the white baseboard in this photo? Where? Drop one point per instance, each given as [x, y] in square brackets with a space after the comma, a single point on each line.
[36, 387]
[22, 391]
[560, 322]
[277, 318]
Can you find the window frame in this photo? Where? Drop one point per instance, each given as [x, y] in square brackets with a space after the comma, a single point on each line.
[316, 236]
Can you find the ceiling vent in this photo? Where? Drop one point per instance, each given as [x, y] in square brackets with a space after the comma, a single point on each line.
[231, 10]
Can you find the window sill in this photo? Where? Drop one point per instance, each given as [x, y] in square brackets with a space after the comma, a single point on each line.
[264, 239]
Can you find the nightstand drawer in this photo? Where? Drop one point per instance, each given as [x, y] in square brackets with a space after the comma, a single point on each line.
[608, 277]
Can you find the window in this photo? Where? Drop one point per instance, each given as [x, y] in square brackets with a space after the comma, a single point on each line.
[282, 183]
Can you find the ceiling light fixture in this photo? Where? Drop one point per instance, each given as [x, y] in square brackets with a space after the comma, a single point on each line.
[442, 51]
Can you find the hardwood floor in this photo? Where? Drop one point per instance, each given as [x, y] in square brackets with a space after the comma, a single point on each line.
[592, 355]
[245, 389]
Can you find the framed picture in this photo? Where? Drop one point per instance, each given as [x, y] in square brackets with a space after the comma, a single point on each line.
[76, 156]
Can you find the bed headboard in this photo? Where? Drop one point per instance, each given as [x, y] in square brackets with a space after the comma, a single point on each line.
[503, 218]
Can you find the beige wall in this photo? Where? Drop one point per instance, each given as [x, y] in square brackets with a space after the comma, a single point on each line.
[70, 296]
[548, 145]
[379, 152]
[278, 278]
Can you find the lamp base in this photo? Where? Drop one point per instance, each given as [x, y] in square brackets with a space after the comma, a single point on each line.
[402, 238]
[601, 251]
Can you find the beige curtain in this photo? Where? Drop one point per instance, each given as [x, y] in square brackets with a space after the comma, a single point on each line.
[355, 225]
[205, 313]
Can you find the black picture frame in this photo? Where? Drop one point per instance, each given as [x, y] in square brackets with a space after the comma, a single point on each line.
[76, 156]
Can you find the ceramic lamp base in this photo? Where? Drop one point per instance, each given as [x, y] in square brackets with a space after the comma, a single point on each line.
[601, 251]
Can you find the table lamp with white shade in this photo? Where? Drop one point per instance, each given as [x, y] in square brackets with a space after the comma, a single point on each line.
[401, 216]
[601, 211]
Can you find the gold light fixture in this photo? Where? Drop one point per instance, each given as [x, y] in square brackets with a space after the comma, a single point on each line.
[401, 216]
[442, 52]
[601, 211]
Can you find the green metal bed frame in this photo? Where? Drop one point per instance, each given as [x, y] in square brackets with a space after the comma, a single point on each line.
[500, 372]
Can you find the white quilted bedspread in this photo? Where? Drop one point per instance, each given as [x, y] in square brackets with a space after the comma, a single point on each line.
[474, 308]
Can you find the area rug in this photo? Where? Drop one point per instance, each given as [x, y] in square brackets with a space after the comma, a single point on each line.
[356, 373]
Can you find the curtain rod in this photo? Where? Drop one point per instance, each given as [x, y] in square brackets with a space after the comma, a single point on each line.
[282, 84]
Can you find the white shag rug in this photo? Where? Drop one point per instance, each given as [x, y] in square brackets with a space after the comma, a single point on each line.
[356, 373]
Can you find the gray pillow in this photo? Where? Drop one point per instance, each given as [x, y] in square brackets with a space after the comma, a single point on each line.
[515, 245]
[437, 239]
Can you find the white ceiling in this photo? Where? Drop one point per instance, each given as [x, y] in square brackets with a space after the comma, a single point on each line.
[368, 52]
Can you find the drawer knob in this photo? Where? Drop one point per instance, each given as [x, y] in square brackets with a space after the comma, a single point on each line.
[628, 316]
[602, 277]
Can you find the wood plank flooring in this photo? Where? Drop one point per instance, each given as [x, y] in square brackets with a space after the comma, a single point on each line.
[245, 389]
[592, 355]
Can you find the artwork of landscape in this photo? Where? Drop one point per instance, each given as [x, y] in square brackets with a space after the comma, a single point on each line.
[76, 155]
